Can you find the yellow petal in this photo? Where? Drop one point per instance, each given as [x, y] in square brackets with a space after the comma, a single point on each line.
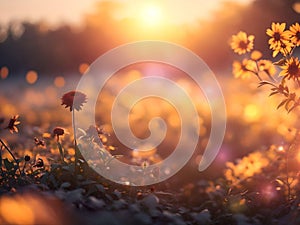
[256, 55]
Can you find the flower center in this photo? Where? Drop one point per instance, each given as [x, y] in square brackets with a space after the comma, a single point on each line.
[243, 68]
[283, 45]
[243, 45]
[294, 70]
[277, 36]
[298, 35]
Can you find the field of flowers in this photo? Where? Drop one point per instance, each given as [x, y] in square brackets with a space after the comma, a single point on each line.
[254, 179]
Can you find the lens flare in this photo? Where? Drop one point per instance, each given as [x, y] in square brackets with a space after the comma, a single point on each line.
[151, 15]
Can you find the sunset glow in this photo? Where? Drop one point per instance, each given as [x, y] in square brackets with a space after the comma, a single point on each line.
[149, 112]
[151, 15]
[54, 11]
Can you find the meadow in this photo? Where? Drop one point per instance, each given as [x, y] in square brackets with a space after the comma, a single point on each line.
[46, 178]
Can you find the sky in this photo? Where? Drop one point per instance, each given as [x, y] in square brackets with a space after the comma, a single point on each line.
[71, 11]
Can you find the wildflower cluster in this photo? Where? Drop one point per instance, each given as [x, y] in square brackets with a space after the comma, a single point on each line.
[282, 174]
[282, 41]
[278, 162]
[12, 127]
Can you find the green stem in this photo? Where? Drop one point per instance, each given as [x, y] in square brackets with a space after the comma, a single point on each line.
[292, 145]
[23, 169]
[271, 78]
[12, 155]
[61, 152]
[260, 79]
[257, 71]
[287, 176]
[75, 142]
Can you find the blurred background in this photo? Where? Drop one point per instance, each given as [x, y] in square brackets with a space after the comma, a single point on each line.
[56, 37]
[46, 46]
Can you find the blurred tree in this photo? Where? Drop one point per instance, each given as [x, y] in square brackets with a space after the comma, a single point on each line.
[61, 50]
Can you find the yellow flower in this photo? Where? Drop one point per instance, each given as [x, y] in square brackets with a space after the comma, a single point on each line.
[284, 48]
[242, 43]
[256, 55]
[294, 33]
[243, 69]
[266, 66]
[246, 167]
[278, 35]
[291, 69]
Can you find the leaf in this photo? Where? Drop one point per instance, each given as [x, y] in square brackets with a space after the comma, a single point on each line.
[282, 103]
[265, 82]
[288, 105]
[293, 107]
[61, 152]
[273, 93]
[20, 160]
[8, 165]
[281, 182]
[280, 62]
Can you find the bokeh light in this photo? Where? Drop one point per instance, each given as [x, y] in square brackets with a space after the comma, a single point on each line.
[83, 68]
[31, 76]
[59, 81]
[4, 72]
[255, 177]
[296, 7]
[251, 113]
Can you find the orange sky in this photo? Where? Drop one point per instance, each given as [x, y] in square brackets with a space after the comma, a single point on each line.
[57, 11]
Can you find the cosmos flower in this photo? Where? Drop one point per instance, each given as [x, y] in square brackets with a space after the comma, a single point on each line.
[12, 125]
[74, 100]
[291, 69]
[242, 43]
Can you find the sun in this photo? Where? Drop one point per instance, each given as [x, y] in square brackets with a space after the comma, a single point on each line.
[151, 15]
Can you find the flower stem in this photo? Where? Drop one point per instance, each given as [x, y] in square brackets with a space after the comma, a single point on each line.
[75, 143]
[291, 146]
[61, 152]
[23, 169]
[12, 155]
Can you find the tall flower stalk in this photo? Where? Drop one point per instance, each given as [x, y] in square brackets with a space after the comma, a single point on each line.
[12, 127]
[57, 132]
[283, 42]
[74, 100]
